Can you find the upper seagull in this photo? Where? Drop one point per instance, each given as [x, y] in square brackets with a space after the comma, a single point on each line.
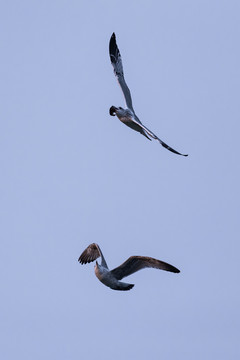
[111, 278]
[128, 116]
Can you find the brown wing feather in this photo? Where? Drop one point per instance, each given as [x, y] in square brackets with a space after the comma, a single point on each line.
[136, 263]
[90, 254]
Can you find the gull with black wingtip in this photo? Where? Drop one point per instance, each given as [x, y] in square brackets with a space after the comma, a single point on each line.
[128, 116]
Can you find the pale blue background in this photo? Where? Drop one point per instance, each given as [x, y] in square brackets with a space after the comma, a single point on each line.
[72, 175]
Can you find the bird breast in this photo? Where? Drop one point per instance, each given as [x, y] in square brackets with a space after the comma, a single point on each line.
[101, 272]
[104, 275]
[124, 114]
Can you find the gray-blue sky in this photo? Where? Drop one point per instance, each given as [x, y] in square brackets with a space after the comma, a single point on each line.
[72, 175]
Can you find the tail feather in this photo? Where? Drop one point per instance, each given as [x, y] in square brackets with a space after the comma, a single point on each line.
[128, 287]
[123, 286]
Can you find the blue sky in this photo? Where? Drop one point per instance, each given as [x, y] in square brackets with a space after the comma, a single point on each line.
[73, 175]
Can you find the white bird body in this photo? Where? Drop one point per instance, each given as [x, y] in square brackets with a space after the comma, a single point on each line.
[124, 115]
[128, 116]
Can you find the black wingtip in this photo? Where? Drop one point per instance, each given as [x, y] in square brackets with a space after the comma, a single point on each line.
[113, 39]
[81, 261]
[172, 269]
[113, 49]
[175, 270]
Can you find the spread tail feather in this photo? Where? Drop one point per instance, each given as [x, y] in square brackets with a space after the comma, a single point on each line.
[123, 286]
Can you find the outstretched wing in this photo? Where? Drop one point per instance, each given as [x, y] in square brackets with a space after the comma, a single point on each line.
[150, 133]
[116, 61]
[136, 263]
[91, 253]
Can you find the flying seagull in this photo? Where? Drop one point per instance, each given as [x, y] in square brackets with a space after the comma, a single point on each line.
[111, 278]
[128, 116]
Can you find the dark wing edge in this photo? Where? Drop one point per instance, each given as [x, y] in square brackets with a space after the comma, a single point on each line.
[116, 62]
[136, 263]
[115, 56]
[150, 133]
[91, 253]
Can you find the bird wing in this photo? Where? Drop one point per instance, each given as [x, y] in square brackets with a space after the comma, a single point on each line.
[91, 253]
[116, 61]
[136, 263]
[150, 133]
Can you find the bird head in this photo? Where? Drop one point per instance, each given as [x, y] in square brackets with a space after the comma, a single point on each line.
[112, 110]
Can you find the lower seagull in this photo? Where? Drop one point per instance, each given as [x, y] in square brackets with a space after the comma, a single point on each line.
[111, 278]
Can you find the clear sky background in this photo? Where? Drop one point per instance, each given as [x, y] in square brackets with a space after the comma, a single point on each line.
[71, 175]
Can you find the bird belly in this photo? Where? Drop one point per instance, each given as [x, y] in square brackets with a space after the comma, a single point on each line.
[105, 276]
[127, 120]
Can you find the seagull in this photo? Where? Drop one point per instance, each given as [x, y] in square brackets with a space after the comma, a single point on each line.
[111, 278]
[128, 116]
